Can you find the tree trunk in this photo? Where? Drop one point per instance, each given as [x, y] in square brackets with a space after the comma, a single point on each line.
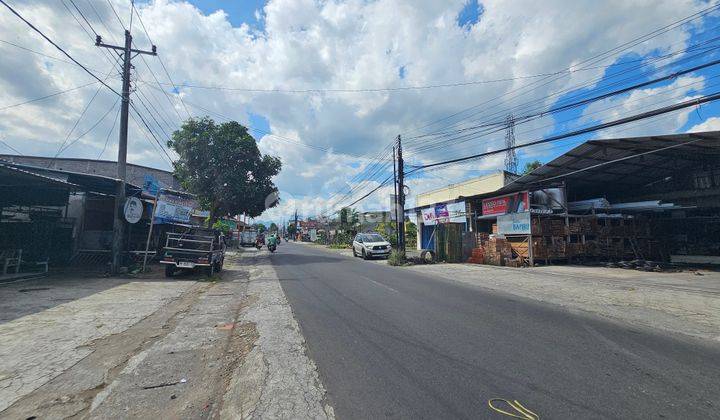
[212, 217]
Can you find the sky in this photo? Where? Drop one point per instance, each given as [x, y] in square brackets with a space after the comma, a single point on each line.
[328, 86]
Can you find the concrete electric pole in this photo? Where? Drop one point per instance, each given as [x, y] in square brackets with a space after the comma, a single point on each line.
[118, 224]
[401, 196]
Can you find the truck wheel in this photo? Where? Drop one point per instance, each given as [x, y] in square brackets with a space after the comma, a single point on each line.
[169, 270]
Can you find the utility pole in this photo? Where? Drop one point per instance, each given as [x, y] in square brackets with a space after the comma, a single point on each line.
[118, 224]
[395, 205]
[296, 226]
[400, 195]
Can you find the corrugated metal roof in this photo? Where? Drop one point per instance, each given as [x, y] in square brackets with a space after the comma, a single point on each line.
[626, 161]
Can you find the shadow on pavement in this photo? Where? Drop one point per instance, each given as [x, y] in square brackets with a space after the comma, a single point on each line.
[36, 295]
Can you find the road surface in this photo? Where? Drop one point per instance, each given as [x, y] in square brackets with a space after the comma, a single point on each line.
[393, 343]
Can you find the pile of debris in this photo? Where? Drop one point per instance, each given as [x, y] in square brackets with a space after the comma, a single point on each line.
[645, 265]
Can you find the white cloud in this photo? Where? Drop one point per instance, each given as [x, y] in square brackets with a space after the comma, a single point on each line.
[308, 44]
[711, 124]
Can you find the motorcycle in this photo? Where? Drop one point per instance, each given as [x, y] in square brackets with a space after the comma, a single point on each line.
[272, 247]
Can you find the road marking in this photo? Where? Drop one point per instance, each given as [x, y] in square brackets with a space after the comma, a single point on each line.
[520, 412]
[382, 285]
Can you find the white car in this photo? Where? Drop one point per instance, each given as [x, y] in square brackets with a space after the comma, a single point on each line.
[369, 245]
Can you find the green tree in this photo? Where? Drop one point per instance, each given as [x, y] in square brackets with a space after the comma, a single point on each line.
[291, 229]
[349, 218]
[531, 166]
[273, 227]
[389, 231]
[261, 228]
[222, 165]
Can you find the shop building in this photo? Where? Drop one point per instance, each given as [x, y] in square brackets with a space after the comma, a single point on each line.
[646, 198]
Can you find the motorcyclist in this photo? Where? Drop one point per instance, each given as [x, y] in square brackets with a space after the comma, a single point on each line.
[272, 241]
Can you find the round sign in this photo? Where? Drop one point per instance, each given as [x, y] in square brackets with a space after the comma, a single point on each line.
[133, 209]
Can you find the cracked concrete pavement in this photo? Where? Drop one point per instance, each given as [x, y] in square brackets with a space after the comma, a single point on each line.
[151, 347]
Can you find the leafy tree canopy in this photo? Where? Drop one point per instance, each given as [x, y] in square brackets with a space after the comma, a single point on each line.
[261, 228]
[273, 227]
[222, 165]
[531, 166]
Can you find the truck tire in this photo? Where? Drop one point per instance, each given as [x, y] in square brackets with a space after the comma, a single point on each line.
[169, 270]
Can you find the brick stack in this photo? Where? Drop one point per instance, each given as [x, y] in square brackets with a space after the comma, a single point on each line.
[477, 256]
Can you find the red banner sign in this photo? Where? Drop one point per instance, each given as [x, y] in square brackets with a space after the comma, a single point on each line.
[513, 203]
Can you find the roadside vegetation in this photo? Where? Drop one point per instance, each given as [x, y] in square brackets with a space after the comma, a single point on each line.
[222, 165]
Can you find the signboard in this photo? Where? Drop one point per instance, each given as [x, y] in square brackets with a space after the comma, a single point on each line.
[428, 216]
[133, 209]
[151, 185]
[512, 203]
[444, 213]
[173, 208]
[514, 224]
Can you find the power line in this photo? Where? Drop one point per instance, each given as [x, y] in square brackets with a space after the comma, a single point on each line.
[116, 14]
[648, 114]
[83, 16]
[151, 132]
[107, 139]
[47, 96]
[595, 58]
[162, 64]
[57, 46]
[556, 109]
[11, 148]
[539, 111]
[43, 54]
[87, 106]
[88, 130]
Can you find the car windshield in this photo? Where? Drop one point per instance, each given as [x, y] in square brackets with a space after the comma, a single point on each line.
[374, 237]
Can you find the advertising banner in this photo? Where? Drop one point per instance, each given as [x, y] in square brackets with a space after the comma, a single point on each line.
[444, 213]
[441, 213]
[457, 212]
[173, 209]
[514, 224]
[428, 216]
[512, 203]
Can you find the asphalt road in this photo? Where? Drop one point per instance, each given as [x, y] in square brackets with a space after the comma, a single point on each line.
[390, 343]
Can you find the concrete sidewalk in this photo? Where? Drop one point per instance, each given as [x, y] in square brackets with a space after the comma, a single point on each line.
[151, 347]
[687, 302]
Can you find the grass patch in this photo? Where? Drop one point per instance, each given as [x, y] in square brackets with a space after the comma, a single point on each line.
[339, 246]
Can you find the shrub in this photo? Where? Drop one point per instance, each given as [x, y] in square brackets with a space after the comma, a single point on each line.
[397, 258]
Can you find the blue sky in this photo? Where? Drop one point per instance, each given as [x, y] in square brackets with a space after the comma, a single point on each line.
[239, 11]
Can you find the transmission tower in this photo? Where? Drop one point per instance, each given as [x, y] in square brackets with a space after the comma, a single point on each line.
[511, 162]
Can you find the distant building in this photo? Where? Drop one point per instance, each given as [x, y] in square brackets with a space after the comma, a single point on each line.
[135, 173]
